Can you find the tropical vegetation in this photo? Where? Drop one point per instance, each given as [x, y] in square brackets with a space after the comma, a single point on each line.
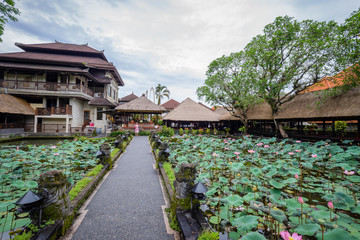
[262, 188]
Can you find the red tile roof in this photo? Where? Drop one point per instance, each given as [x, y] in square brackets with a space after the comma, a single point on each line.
[171, 104]
[102, 102]
[128, 98]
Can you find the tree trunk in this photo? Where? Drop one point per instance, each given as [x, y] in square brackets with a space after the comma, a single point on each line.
[280, 129]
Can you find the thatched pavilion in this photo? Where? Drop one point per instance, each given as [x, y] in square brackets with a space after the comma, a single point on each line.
[14, 112]
[190, 114]
[304, 109]
[140, 110]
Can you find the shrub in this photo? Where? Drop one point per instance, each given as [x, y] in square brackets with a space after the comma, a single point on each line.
[115, 134]
[193, 131]
[201, 131]
[209, 235]
[186, 131]
[181, 131]
[340, 126]
[166, 132]
[208, 131]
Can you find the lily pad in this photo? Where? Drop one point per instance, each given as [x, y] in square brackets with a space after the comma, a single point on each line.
[253, 236]
[308, 229]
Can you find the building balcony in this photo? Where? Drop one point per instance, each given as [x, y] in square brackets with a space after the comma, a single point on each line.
[45, 86]
[54, 111]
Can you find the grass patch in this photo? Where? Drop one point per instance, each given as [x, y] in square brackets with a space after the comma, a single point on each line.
[172, 220]
[78, 187]
[96, 170]
[114, 152]
[85, 181]
[170, 173]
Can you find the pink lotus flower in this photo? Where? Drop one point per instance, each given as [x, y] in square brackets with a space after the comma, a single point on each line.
[186, 139]
[226, 148]
[251, 151]
[17, 148]
[277, 153]
[233, 139]
[298, 141]
[215, 154]
[266, 146]
[286, 236]
[212, 140]
[349, 173]
[236, 153]
[301, 200]
[314, 155]
[296, 176]
[291, 153]
[56, 154]
[330, 155]
[194, 147]
[259, 144]
[237, 157]
[229, 138]
[269, 204]
[330, 205]
[297, 150]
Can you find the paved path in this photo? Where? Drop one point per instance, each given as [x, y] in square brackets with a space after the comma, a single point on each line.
[128, 203]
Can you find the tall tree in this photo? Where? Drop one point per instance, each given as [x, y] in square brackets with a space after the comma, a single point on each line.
[228, 85]
[290, 56]
[160, 92]
[8, 11]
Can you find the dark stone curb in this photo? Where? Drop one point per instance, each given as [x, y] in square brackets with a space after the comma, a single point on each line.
[191, 223]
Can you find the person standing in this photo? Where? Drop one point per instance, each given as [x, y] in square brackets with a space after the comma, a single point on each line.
[136, 129]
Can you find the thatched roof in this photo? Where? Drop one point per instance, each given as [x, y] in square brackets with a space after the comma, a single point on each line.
[14, 105]
[128, 98]
[191, 111]
[140, 105]
[304, 106]
[225, 115]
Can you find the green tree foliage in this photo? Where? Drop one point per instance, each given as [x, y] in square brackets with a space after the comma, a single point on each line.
[8, 12]
[160, 92]
[229, 85]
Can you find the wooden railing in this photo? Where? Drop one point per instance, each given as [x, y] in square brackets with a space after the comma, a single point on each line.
[12, 125]
[54, 110]
[46, 86]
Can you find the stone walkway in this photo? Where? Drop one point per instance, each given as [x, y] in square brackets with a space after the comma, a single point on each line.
[128, 204]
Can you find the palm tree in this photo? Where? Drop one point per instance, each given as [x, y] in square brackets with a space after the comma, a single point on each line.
[160, 92]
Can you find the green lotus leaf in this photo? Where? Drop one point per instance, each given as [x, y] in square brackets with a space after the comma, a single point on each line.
[251, 197]
[276, 184]
[215, 220]
[307, 165]
[335, 234]
[21, 222]
[31, 184]
[308, 229]
[256, 171]
[278, 215]
[234, 200]
[18, 184]
[245, 180]
[234, 235]
[253, 236]
[355, 209]
[321, 214]
[271, 173]
[245, 223]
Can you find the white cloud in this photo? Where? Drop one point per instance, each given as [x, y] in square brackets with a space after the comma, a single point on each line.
[161, 41]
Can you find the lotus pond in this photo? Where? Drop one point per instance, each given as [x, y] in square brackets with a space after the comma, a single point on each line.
[258, 188]
[21, 166]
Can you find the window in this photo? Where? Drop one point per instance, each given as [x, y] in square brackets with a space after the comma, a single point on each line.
[99, 115]
[109, 90]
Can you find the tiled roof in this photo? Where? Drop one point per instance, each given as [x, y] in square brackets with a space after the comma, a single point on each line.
[101, 102]
[57, 46]
[171, 104]
[128, 98]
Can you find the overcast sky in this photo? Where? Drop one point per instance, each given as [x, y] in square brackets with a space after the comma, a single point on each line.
[170, 42]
